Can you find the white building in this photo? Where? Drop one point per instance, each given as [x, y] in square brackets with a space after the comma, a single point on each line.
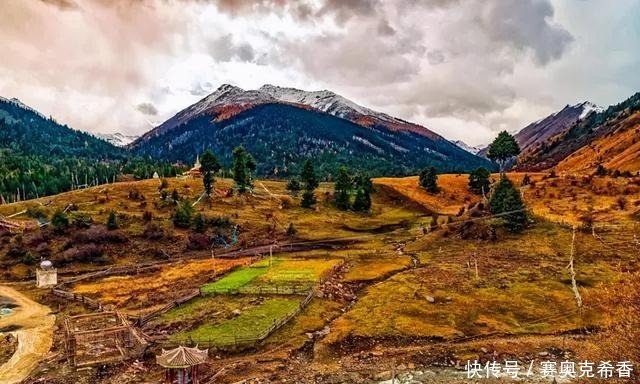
[46, 275]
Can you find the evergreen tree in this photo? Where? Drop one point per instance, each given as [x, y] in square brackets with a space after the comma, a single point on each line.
[208, 165]
[364, 187]
[343, 189]
[479, 181]
[429, 179]
[112, 221]
[175, 196]
[243, 166]
[182, 215]
[293, 186]
[310, 181]
[506, 198]
[503, 148]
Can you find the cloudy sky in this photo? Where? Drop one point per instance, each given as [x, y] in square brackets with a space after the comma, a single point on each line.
[463, 68]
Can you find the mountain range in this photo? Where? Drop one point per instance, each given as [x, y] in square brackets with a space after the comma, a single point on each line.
[283, 126]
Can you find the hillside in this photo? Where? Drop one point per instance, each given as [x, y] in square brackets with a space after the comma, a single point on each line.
[282, 126]
[41, 157]
[281, 136]
[598, 127]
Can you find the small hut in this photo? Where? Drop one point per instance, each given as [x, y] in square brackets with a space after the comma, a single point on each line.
[182, 364]
[46, 275]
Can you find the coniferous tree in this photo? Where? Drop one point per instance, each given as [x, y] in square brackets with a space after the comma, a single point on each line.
[343, 189]
[59, 221]
[310, 182]
[507, 202]
[429, 179]
[199, 223]
[479, 181]
[243, 166]
[208, 165]
[364, 187]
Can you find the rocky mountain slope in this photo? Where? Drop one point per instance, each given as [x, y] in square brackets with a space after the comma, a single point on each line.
[283, 126]
[603, 136]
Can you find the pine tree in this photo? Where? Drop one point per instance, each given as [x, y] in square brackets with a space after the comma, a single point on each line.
[506, 200]
[112, 221]
[503, 148]
[364, 187]
[243, 166]
[479, 181]
[343, 189]
[208, 165]
[310, 181]
[429, 179]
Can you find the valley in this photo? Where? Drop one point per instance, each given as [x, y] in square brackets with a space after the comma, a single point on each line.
[413, 285]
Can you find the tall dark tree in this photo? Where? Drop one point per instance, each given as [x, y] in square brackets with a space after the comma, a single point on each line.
[343, 186]
[310, 182]
[429, 179]
[503, 148]
[209, 165]
[243, 166]
[364, 187]
[479, 181]
[507, 202]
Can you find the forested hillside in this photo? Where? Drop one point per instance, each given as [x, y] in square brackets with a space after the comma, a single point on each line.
[40, 157]
[281, 136]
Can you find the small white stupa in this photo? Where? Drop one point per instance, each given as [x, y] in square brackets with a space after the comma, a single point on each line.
[46, 275]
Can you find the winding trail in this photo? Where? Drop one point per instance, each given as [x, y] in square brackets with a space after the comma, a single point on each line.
[35, 336]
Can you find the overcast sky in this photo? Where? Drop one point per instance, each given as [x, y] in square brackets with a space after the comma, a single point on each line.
[463, 68]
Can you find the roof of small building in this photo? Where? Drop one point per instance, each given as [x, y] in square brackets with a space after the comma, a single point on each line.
[182, 357]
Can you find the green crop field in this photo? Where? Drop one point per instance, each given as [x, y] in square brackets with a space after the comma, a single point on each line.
[249, 325]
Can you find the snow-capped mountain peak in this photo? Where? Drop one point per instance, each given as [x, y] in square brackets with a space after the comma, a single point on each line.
[587, 108]
[118, 139]
[22, 105]
[467, 147]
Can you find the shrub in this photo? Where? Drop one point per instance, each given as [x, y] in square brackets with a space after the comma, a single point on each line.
[112, 221]
[59, 221]
[199, 223]
[147, 216]
[37, 212]
[198, 242]
[506, 198]
[428, 179]
[479, 181]
[219, 222]
[291, 230]
[308, 199]
[81, 220]
[294, 186]
[84, 253]
[163, 184]
[153, 232]
[621, 201]
[99, 235]
[182, 215]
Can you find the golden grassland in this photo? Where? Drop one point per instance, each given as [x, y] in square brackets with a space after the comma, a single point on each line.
[172, 281]
[522, 286]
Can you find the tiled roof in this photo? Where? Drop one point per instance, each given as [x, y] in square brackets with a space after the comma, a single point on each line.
[182, 357]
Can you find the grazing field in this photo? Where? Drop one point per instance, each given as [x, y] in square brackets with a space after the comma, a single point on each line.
[249, 325]
[140, 293]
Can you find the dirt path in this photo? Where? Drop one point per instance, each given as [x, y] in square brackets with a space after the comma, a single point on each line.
[35, 336]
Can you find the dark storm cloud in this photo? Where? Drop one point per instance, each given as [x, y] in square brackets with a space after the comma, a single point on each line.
[147, 109]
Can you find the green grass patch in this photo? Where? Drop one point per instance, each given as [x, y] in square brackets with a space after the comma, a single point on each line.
[251, 324]
[234, 280]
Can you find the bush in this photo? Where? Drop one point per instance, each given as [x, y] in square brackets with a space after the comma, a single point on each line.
[37, 212]
[59, 221]
[84, 253]
[182, 215]
[291, 230]
[308, 199]
[479, 181]
[219, 222]
[506, 198]
[428, 180]
[294, 186]
[199, 223]
[99, 235]
[153, 232]
[163, 184]
[198, 242]
[621, 201]
[112, 221]
[147, 216]
[81, 220]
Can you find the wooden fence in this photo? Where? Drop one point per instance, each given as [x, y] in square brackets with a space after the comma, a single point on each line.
[142, 320]
[122, 270]
[91, 303]
[235, 343]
